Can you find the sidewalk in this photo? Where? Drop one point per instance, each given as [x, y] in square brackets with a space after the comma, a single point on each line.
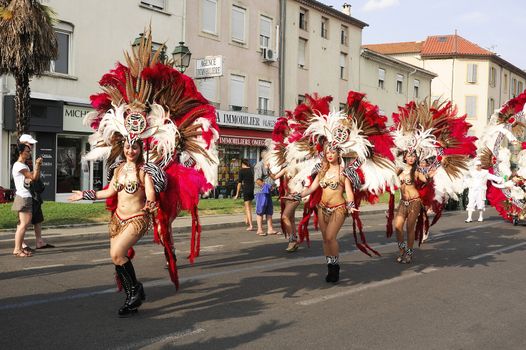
[70, 233]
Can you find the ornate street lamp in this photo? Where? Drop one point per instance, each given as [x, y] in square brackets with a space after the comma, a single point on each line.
[155, 46]
[181, 57]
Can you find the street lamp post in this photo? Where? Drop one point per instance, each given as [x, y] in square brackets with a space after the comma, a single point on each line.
[181, 56]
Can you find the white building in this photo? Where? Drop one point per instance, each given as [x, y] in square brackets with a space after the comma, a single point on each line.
[477, 80]
[92, 36]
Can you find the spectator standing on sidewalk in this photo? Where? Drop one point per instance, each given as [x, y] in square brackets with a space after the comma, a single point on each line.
[246, 178]
[262, 191]
[35, 188]
[23, 203]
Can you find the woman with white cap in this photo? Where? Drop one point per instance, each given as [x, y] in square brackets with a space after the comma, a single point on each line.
[477, 189]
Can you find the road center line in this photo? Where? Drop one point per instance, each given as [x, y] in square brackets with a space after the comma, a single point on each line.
[365, 287]
[101, 260]
[476, 257]
[164, 339]
[43, 267]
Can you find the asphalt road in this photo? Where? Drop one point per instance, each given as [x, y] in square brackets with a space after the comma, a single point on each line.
[464, 290]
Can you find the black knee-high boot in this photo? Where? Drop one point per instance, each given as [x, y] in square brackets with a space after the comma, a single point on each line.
[133, 289]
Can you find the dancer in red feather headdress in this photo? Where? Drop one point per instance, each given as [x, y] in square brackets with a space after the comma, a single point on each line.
[435, 137]
[159, 137]
[358, 133]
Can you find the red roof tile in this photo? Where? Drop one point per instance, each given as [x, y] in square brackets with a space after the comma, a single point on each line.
[395, 48]
[440, 45]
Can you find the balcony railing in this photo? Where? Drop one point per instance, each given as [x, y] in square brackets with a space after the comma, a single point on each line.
[238, 108]
[265, 112]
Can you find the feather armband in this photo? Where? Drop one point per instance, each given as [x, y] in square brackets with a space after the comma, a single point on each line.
[89, 195]
[351, 205]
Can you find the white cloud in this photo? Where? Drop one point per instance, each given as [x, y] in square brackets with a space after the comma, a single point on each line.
[374, 5]
[474, 17]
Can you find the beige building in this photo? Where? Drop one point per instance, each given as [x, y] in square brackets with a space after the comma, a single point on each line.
[234, 45]
[389, 82]
[322, 51]
[477, 80]
[92, 36]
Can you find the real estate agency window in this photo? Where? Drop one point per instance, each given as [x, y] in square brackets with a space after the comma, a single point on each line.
[303, 18]
[265, 31]
[154, 4]
[302, 52]
[209, 16]
[416, 87]
[343, 60]
[324, 27]
[63, 32]
[344, 33]
[472, 73]
[237, 93]
[381, 78]
[264, 93]
[238, 24]
[399, 83]
[471, 106]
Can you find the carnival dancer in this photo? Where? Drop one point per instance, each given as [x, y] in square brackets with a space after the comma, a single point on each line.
[477, 181]
[166, 133]
[506, 127]
[291, 159]
[433, 135]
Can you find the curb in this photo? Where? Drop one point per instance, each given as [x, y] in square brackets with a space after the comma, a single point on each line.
[56, 239]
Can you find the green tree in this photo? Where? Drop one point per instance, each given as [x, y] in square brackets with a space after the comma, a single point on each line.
[28, 45]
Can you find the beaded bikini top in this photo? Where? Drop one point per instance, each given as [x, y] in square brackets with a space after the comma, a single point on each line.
[329, 182]
[129, 186]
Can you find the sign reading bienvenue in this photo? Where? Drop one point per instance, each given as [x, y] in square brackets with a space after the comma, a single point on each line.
[245, 120]
[73, 116]
[210, 66]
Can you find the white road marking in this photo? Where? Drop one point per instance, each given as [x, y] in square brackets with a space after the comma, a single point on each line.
[43, 267]
[476, 257]
[164, 339]
[364, 287]
[101, 260]
[250, 242]
[212, 248]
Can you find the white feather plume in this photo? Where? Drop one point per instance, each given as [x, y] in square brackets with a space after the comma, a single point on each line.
[378, 179]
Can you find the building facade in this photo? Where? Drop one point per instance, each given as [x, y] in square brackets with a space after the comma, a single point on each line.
[89, 44]
[234, 46]
[477, 80]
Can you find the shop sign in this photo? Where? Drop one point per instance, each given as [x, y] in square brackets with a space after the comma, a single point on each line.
[241, 141]
[208, 67]
[73, 117]
[245, 120]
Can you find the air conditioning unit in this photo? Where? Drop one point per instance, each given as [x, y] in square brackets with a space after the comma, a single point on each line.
[268, 55]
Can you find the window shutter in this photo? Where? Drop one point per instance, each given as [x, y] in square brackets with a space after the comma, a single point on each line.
[208, 88]
[209, 16]
[237, 90]
[342, 59]
[159, 4]
[265, 27]
[238, 24]
[381, 74]
[416, 83]
[472, 73]
[399, 77]
[301, 52]
[264, 89]
[471, 106]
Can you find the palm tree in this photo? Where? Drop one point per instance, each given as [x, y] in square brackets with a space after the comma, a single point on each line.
[28, 45]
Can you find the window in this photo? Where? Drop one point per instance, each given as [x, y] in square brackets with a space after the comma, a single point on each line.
[343, 60]
[324, 27]
[264, 92]
[416, 87]
[381, 78]
[209, 19]
[471, 106]
[63, 32]
[399, 83]
[343, 106]
[303, 18]
[519, 87]
[514, 87]
[237, 92]
[301, 99]
[265, 31]
[491, 107]
[472, 73]
[492, 77]
[154, 4]
[343, 35]
[302, 52]
[506, 83]
[238, 24]
[208, 88]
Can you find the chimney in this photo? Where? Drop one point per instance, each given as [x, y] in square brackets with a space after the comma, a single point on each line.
[346, 8]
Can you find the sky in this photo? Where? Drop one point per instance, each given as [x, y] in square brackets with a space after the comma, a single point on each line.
[499, 26]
